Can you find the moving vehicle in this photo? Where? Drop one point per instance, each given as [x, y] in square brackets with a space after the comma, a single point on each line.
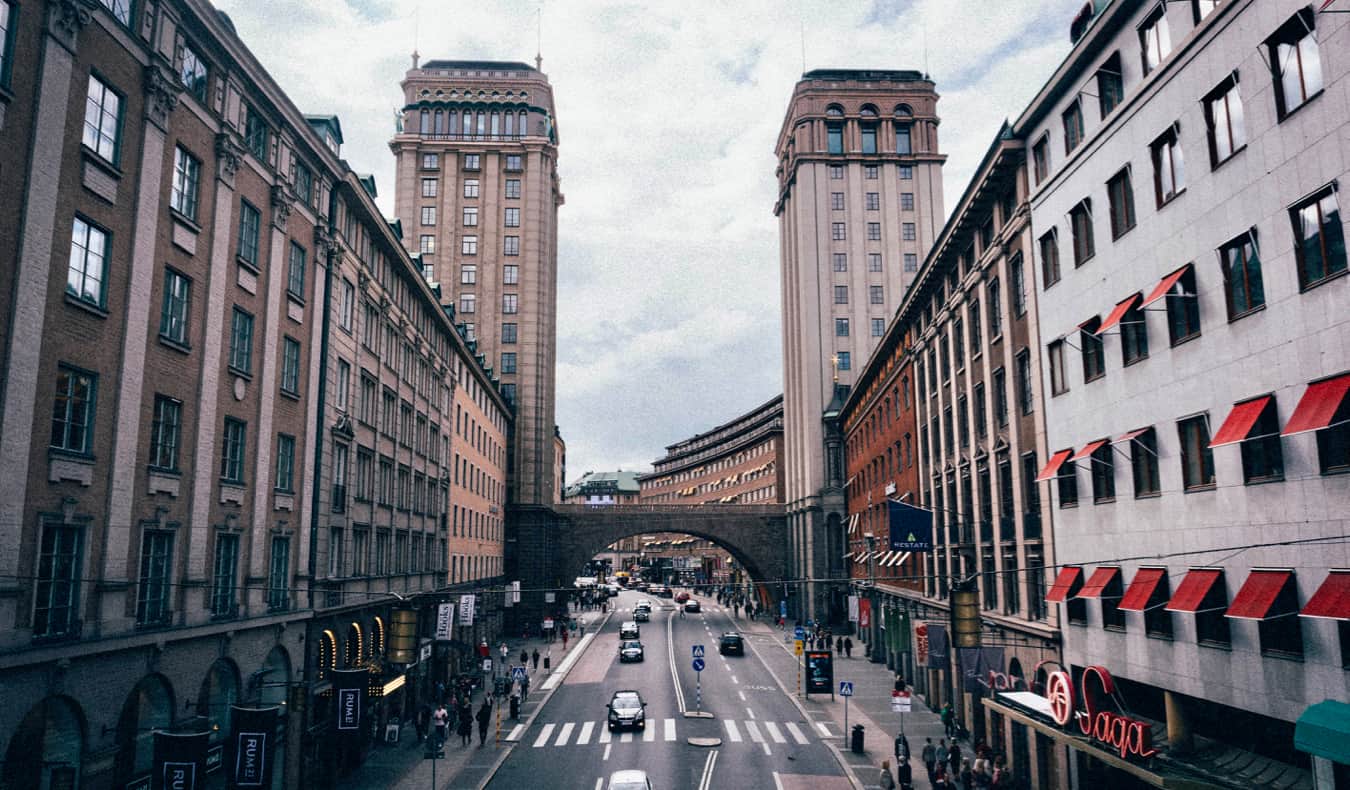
[642, 615]
[731, 642]
[692, 605]
[629, 780]
[629, 630]
[621, 578]
[626, 709]
[631, 650]
[643, 603]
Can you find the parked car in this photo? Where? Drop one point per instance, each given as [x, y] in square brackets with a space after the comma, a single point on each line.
[626, 709]
[629, 780]
[631, 650]
[731, 642]
[692, 605]
[629, 630]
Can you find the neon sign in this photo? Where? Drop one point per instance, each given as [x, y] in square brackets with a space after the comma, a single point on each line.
[1128, 736]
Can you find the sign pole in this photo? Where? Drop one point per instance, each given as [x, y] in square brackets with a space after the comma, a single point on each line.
[499, 725]
[846, 721]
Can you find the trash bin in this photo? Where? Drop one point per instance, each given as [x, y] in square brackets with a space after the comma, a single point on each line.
[515, 707]
[856, 742]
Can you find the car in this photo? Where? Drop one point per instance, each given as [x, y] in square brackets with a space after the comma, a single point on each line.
[629, 780]
[629, 630]
[644, 603]
[692, 605]
[642, 615]
[664, 592]
[682, 597]
[731, 642]
[627, 709]
[639, 586]
[631, 650]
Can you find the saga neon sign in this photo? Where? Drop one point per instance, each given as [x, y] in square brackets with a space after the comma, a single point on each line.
[1130, 737]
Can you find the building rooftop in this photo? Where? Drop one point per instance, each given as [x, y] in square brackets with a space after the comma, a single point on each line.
[865, 75]
[487, 65]
[619, 482]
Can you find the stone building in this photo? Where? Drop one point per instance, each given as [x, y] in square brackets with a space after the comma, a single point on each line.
[859, 204]
[603, 488]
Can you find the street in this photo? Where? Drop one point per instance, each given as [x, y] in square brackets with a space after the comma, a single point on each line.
[763, 737]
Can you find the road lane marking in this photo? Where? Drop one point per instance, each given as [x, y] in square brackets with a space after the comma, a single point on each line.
[584, 737]
[777, 782]
[823, 729]
[734, 680]
[774, 732]
[543, 735]
[670, 729]
[599, 782]
[751, 713]
[706, 781]
[753, 729]
[796, 733]
[627, 737]
[766, 749]
[742, 693]
[564, 734]
[563, 668]
[648, 734]
[605, 735]
[674, 675]
[515, 732]
[607, 750]
[732, 733]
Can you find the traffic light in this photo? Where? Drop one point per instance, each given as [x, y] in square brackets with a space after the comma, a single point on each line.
[965, 615]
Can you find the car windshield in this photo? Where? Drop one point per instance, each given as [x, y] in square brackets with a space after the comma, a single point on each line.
[632, 645]
[626, 703]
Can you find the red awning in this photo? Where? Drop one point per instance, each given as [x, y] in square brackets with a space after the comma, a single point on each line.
[1064, 584]
[1052, 466]
[1240, 421]
[1318, 406]
[1257, 595]
[1165, 286]
[1089, 449]
[1192, 590]
[1136, 598]
[1121, 309]
[1135, 434]
[1098, 581]
[1332, 599]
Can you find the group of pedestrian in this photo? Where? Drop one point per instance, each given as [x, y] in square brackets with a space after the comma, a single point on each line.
[948, 769]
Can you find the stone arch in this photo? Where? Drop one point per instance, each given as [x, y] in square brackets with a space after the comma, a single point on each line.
[219, 691]
[834, 111]
[149, 707]
[47, 748]
[868, 111]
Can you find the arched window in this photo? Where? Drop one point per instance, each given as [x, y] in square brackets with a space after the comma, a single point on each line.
[424, 125]
[276, 674]
[868, 111]
[468, 123]
[834, 111]
[452, 126]
[482, 123]
[47, 749]
[220, 690]
[496, 124]
[148, 707]
[440, 122]
[327, 659]
[903, 111]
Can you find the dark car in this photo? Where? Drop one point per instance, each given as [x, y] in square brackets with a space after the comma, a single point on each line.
[692, 605]
[731, 642]
[641, 615]
[631, 650]
[626, 709]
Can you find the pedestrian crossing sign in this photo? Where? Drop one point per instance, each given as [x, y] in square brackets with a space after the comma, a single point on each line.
[518, 673]
[845, 688]
[698, 651]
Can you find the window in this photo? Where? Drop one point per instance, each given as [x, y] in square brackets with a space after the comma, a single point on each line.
[837, 231]
[508, 362]
[429, 214]
[1120, 193]
[836, 172]
[511, 245]
[878, 327]
[165, 433]
[1094, 352]
[869, 139]
[295, 273]
[513, 163]
[468, 245]
[468, 274]
[152, 594]
[1169, 170]
[911, 262]
[1066, 482]
[839, 261]
[1262, 453]
[1155, 42]
[876, 294]
[1133, 335]
[344, 377]
[510, 303]
[1197, 460]
[873, 261]
[1080, 220]
[873, 201]
[73, 410]
[995, 317]
[509, 393]
[1296, 63]
[1073, 126]
[1040, 155]
[290, 366]
[1103, 462]
[976, 341]
[431, 161]
[232, 451]
[335, 564]
[255, 135]
[836, 201]
[1201, 8]
[1319, 238]
[958, 343]
[907, 231]
[470, 216]
[1224, 121]
[278, 575]
[346, 306]
[1183, 308]
[173, 312]
[1110, 86]
[467, 303]
[842, 359]
[512, 218]
[1059, 379]
[429, 191]
[1049, 244]
[186, 177]
[360, 552]
[102, 120]
[841, 327]
[241, 342]
[471, 161]
[1017, 283]
[192, 73]
[512, 188]
[427, 244]
[841, 294]
[1241, 263]
[1333, 444]
[834, 134]
[1024, 382]
[906, 172]
[1144, 463]
[224, 572]
[1281, 630]
[906, 201]
[1113, 619]
[508, 333]
[903, 141]
[1000, 398]
[249, 221]
[511, 275]
[874, 231]
[88, 272]
[57, 594]
[285, 462]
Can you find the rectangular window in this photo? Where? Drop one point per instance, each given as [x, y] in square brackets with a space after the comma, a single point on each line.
[907, 231]
[906, 171]
[874, 231]
[173, 313]
[1113, 619]
[1224, 121]
[192, 74]
[87, 277]
[836, 172]
[981, 426]
[841, 294]
[471, 161]
[1197, 460]
[513, 163]
[508, 362]
[1144, 463]
[468, 245]
[876, 294]
[834, 138]
[1066, 482]
[295, 274]
[285, 463]
[869, 139]
[1183, 308]
[878, 327]
[836, 201]
[510, 303]
[1295, 62]
[1059, 378]
[512, 219]
[232, 451]
[57, 592]
[1133, 335]
[1169, 169]
[841, 327]
[871, 172]
[470, 187]
[958, 343]
[187, 174]
[839, 260]
[336, 567]
[1121, 196]
[347, 305]
[1319, 238]
[1024, 382]
[279, 575]
[290, 366]
[1093, 349]
[470, 217]
[873, 261]
[249, 222]
[429, 214]
[873, 201]
[103, 121]
[511, 275]
[1049, 244]
[1110, 86]
[843, 360]
[837, 231]
[1103, 474]
[1017, 283]
[903, 142]
[429, 187]
[73, 410]
[906, 201]
[1241, 263]
[995, 317]
[344, 376]
[165, 433]
[511, 245]
[427, 244]
[1281, 631]
[431, 161]
[241, 342]
[513, 188]
[509, 333]
[468, 274]
[1073, 126]
[911, 262]
[255, 135]
[1155, 40]
[468, 303]
[224, 575]
[1080, 220]
[1262, 453]
[1040, 154]
[152, 594]
[976, 341]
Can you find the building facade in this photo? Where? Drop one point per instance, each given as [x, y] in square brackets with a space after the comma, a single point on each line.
[603, 488]
[477, 192]
[859, 204]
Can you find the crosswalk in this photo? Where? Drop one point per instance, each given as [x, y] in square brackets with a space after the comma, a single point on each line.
[587, 733]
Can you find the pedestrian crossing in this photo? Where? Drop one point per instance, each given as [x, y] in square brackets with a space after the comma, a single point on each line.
[587, 733]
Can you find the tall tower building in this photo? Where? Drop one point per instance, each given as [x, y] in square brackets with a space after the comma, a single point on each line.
[477, 193]
[859, 204]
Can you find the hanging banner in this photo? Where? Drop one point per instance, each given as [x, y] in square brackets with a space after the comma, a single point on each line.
[853, 608]
[921, 645]
[350, 687]
[445, 620]
[180, 760]
[938, 657]
[250, 757]
[864, 613]
[466, 603]
[976, 664]
[911, 528]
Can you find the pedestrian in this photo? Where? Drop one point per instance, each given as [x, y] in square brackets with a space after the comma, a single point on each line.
[484, 716]
[564, 638]
[441, 718]
[967, 776]
[534, 658]
[904, 775]
[948, 718]
[886, 781]
[465, 726]
[839, 645]
[954, 758]
[940, 778]
[848, 647]
[901, 748]
[929, 755]
[941, 754]
[524, 657]
[899, 682]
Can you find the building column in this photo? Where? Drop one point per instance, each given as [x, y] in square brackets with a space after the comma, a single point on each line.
[1178, 723]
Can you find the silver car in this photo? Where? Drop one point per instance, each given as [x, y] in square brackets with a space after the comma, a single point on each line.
[629, 780]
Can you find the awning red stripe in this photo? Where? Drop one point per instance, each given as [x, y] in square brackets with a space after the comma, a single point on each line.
[1332, 599]
[1052, 466]
[1089, 449]
[1064, 584]
[1164, 286]
[1240, 421]
[1257, 595]
[1098, 581]
[1318, 406]
[1136, 598]
[1118, 313]
[1192, 590]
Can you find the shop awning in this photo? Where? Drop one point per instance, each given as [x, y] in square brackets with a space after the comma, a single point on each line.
[1097, 582]
[1140, 592]
[1332, 599]
[1089, 449]
[1324, 730]
[1135, 434]
[1052, 466]
[1064, 584]
[900, 557]
[1118, 313]
[1193, 589]
[1318, 406]
[1165, 285]
[1240, 421]
[848, 555]
[1257, 595]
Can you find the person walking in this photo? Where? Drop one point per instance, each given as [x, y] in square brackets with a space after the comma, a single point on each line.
[948, 718]
[941, 754]
[929, 755]
[524, 657]
[966, 775]
[885, 780]
[940, 778]
[534, 658]
[904, 775]
[954, 759]
[848, 647]
[899, 682]
[484, 716]
[465, 726]
[901, 749]
[441, 718]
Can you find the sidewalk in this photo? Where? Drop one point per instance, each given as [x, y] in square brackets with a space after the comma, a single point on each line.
[401, 766]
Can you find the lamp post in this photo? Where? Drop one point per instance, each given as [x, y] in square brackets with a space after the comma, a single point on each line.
[871, 592]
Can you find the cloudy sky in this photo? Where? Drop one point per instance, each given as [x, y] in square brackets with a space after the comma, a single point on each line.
[668, 285]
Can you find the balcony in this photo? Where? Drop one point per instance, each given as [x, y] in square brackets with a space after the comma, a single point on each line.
[339, 498]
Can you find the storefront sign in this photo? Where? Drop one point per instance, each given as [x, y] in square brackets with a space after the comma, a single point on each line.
[853, 608]
[445, 620]
[938, 657]
[179, 760]
[999, 681]
[251, 757]
[349, 687]
[1130, 737]
[466, 604]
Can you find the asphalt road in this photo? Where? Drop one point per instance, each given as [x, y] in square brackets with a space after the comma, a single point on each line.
[765, 743]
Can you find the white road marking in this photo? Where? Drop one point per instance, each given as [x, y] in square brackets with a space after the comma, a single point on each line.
[753, 729]
[777, 783]
[732, 733]
[564, 734]
[774, 732]
[766, 749]
[607, 750]
[796, 733]
[820, 725]
[561, 672]
[543, 735]
[706, 781]
[751, 713]
[627, 737]
[584, 737]
[648, 734]
[670, 729]
[734, 680]
[742, 693]
[515, 732]
[599, 782]
[605, 735]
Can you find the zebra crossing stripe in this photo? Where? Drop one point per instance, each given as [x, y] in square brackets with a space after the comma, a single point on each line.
[648, 734]
[732, 732]
[753, 729]
[584, 737]
[543, 735]
[774, 733]
[823, 729]
[515, 732]
[605, 735]
[564, 734]
[627, 737]
[796, 733]
[670, 729]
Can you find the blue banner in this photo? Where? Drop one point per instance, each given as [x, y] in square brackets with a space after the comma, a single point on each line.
[911, 527]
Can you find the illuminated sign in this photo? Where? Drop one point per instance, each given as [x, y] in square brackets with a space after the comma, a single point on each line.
[1128, 736]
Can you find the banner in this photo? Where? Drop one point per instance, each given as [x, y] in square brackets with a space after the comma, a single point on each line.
[349, 686]
[445, 620]
[466, 610]
[250, 756]
[911, 527]
[921, 645]
[976, 664]
[180, 760]
[864, 613]
[853, 608]
[938, 657]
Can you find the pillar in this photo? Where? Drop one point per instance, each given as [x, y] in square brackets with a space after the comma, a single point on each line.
[1178, 723]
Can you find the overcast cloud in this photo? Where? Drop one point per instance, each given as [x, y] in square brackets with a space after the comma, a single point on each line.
[668, 285]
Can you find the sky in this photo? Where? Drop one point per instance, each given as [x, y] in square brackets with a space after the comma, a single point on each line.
[668, 263]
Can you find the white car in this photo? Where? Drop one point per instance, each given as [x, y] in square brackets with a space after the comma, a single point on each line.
[629, 780]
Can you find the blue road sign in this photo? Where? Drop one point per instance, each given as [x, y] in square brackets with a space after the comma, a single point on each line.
[698, 665]
[698, 651]
[799, 633]
[845, 688]
[518, 673]
[782, 608]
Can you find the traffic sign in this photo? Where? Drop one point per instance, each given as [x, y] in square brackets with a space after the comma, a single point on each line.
[782, 608]
[698, 651]
[548, 624]
[698, 665]
[799, 645]
[799, 633]
[845, 688]
[518, 673]
[900, 702]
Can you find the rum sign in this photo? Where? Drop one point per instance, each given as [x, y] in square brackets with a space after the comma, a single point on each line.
[1128, 736]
